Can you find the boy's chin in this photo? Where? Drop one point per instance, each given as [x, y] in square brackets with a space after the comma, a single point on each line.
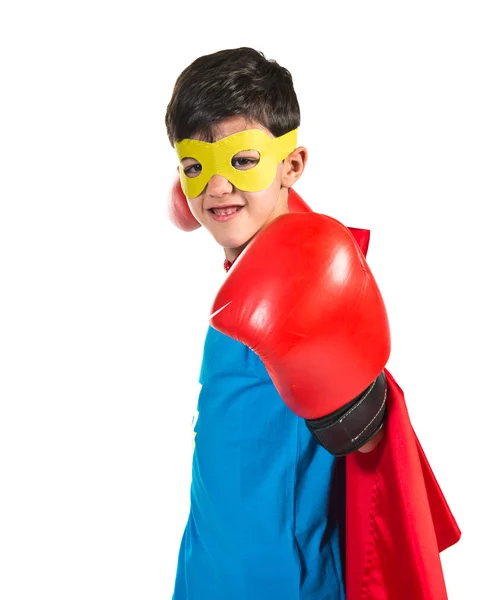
[234, 244]
[235, 239]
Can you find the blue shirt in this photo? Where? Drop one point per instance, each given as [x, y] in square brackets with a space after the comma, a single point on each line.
[259, 492]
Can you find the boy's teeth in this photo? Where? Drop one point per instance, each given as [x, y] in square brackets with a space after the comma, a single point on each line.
[225, 211]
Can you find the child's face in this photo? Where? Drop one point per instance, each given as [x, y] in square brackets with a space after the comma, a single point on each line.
[231, 215]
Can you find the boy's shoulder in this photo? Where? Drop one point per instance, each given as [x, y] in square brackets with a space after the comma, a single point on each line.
[297, 204]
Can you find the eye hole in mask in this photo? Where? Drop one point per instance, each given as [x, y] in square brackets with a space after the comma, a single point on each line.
[243, 161]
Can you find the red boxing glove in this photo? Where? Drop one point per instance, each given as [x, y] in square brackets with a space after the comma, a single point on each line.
[179, 212]
[302, 296]
[181, 216]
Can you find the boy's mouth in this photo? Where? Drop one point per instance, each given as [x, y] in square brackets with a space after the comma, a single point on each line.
[227, 210]
[225, 213]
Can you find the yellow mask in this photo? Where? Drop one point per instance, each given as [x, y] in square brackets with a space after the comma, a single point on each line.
[216, 159]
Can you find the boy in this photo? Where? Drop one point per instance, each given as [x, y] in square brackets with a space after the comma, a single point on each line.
[293, 373]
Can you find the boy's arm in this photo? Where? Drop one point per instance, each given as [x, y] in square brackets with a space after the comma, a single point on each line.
[375, 440]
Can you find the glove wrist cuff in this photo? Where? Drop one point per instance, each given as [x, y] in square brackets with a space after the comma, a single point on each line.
[350, 427]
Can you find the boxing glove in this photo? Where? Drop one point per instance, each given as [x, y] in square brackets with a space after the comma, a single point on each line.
[179, 212]
[303, 298]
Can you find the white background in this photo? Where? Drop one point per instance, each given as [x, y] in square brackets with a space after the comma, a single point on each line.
[104, 304]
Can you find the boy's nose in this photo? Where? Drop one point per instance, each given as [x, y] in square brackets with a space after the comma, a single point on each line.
[218, 186]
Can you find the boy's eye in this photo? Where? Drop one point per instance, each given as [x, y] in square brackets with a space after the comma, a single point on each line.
[193, 170]
[243, 163]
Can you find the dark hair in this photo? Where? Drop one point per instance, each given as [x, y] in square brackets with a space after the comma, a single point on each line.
[239, 81]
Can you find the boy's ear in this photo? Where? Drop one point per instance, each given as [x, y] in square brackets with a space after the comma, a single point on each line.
[294, 166]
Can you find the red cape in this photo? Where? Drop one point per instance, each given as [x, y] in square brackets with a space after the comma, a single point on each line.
[397, 519]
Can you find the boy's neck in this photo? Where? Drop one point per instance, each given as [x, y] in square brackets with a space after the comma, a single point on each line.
[231, 254]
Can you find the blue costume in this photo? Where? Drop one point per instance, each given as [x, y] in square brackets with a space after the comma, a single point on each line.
[259, 493]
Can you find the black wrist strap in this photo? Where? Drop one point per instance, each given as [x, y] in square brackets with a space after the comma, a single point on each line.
[347, 429]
